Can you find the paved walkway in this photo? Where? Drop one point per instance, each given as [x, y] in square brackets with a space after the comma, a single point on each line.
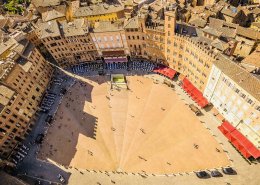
[247, 174]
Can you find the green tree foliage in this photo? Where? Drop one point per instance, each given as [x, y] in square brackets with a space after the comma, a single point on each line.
[16, 6]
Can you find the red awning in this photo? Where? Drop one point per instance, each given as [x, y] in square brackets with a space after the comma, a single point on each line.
[168, 72]
[245, 153]
[222, 129]
[245, 147]
[195, 94]
[203, 102]
[244, 144]
[255, 152]
[228, 126]
[230, 137]
[237, 144]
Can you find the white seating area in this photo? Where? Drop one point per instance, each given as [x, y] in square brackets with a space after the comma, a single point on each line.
[140, 65]
[135, 64]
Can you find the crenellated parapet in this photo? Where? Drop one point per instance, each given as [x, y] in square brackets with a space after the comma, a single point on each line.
[191, 42]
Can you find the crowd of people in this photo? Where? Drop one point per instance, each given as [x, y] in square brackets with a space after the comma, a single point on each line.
[86, 67]
[114, 65]
[136, 65]
[50, 97]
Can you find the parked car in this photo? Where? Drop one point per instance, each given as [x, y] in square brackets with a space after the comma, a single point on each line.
[228, 171]
[216, 173]
[39, 138]
[63, 91]
[15, 162]
[20, 154]
[49, 118]
[17, 158]
[195, 109]
[202, 174]
[25, 147]
[23, 151]
[43, 110]
[61, 178]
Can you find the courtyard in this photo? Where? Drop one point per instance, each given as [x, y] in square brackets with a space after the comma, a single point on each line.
[147, 128]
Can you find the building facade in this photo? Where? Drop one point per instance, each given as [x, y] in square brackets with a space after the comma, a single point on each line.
[68, 43]
[109, 39]
[135, 37]
[186, 55]
[25, 75]
[235, 94]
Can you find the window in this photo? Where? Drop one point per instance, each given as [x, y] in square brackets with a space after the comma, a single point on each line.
[237, 90]
[56, 38]
[242, 95]
[53, 44]
[249, 101]
[12, 121]
[7, 111]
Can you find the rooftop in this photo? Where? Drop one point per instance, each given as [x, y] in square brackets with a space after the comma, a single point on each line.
[230, 11]
[227, 29]
[4, 46]
[212, 31]
[98, 9]
[253, 58]
[256, 24]
[54, 13]
[256, 11]
[76, 27]
[23, 61]
[131, 23]
[222, 46]
[45, 3]
[248, 32]
[5, 94]
[5, 67]
[106, 26]
[198, 22]
[244, 79]
[49, 29]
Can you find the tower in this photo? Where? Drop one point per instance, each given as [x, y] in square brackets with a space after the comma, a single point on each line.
[169, 28]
